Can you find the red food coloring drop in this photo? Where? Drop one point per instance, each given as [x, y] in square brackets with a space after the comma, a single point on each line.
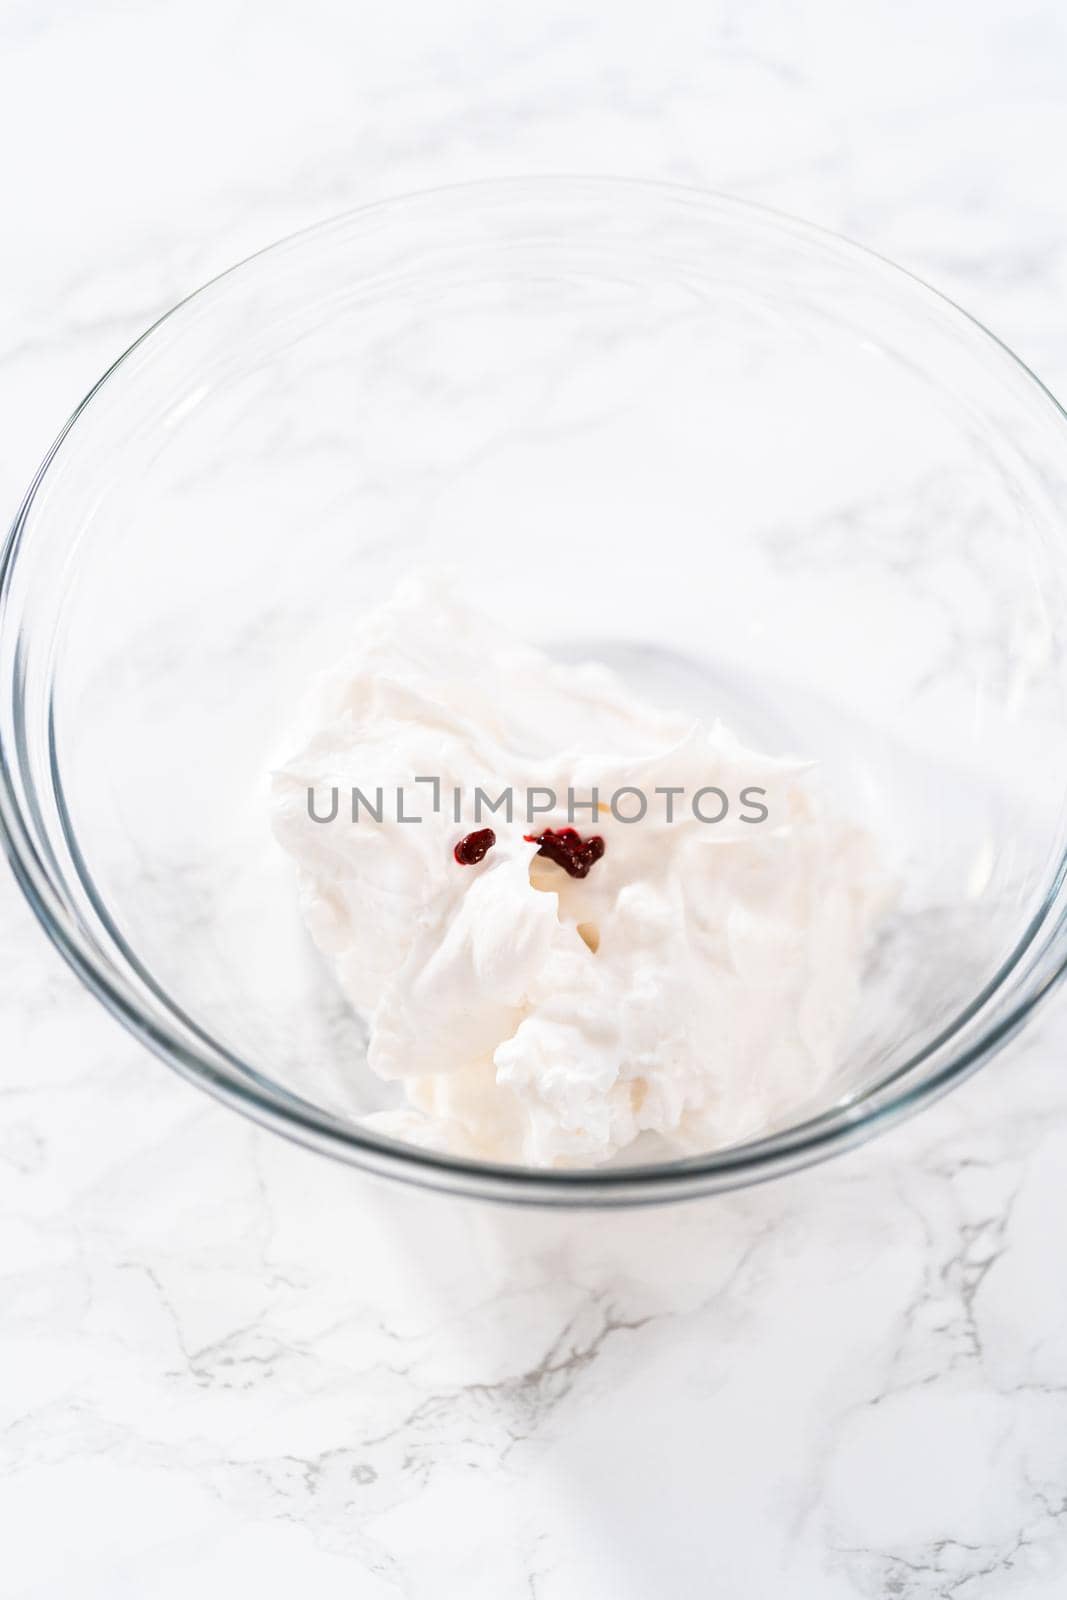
[474, 847]
[568, 849]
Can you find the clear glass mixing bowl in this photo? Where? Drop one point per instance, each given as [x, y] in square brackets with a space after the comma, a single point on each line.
[792, 486]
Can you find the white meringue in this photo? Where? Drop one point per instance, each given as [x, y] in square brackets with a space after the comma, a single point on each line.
[697, 984]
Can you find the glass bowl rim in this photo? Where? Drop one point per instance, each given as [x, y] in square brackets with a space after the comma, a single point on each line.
[239, 1084]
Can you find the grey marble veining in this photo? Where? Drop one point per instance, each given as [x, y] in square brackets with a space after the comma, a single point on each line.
[228, 1366]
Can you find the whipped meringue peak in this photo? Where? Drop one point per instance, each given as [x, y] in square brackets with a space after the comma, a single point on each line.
[571, 919]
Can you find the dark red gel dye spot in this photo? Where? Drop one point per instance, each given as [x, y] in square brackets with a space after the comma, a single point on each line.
[568, 849]
[474, 847]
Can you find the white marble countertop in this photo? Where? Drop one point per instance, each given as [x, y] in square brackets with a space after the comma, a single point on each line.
[229, 1366]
